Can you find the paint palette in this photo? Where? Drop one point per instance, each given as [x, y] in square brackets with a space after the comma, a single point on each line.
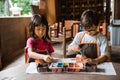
[67, 65]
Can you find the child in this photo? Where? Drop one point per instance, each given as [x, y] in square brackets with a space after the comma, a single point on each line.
[39, 42]
[92, 45]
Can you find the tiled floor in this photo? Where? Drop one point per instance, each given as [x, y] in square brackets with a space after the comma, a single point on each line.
[18, 61]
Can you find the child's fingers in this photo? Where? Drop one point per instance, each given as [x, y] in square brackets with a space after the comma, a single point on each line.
[39, 61]
[87, 60]
[49, 59]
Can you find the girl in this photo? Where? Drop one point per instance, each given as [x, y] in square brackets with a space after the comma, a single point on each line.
[38, 45]
[92, 45]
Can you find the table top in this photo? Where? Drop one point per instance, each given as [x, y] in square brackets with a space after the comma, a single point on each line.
[18, 73]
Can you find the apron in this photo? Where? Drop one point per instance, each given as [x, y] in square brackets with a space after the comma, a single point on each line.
[89, 49]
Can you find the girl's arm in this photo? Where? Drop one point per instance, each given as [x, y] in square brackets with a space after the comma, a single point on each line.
[35, 55]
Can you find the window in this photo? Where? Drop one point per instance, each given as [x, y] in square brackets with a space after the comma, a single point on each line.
[5, 6]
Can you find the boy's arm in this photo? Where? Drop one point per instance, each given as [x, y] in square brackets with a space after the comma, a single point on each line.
[103, 56]
[100, 59]
[96, 60]
[73, 49]
[74, 46]
[103, 49]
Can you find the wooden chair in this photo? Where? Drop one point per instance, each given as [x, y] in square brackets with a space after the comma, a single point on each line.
[64, 36]
[35, 9]
[109, 52]
[75, 24]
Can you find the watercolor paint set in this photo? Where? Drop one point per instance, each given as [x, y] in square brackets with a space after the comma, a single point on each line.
[67, 65]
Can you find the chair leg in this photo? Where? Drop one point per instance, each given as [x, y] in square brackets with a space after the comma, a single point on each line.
[49, 31]
[0, 63]
[109, 53]
[64, 42]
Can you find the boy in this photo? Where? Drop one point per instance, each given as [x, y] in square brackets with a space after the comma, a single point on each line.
[92, 45]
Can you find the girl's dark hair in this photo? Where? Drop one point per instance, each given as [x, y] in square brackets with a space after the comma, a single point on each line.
[89, 17]
[36, 21]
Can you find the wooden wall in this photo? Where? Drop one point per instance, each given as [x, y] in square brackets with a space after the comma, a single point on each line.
[117, 9]
[12, 37]
[51, 15]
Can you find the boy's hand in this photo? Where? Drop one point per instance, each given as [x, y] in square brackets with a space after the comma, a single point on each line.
[89, 60]
[77, 48]
[80, 58]
[48, 58]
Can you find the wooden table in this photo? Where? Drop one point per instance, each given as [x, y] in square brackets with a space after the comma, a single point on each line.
[18, 73]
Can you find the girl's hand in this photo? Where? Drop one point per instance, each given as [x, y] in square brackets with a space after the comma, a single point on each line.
[39, 61]
[48, 58]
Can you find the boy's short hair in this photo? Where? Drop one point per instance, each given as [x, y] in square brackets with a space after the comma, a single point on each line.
[89, 18]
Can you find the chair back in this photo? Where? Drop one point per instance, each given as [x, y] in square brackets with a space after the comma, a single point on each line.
[59, 33]
[26, 55]
[35, 9]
